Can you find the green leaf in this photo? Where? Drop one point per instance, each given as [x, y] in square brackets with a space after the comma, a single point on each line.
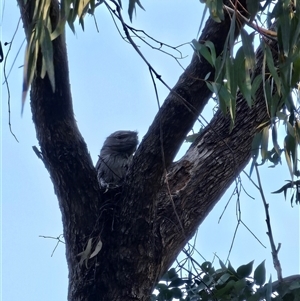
[165, 294]
[284, 188]
[297, 131]
[296, 72]
[255, 297]
[176, 292]
[203, 50]
[240, 285]
[290, 129]
[191, 138]
[284, 27]
[271, 66]
[47, 51]
[282, 116]
[215, 9]
[275, 140]
[231, 269]
[31, 56]
[290, 152]
[231, 86]
[245, 270]
[71, 19]
[223, 266]
[93, 5]
[153, 297]
[248, 48]
[37, 9]
[253, 7]
[207, 279]
[172, 274]
[256, 142]
[264, 76]
[161, 286]
[255, 85]
[65, 8]
[243, 76]
[223, 279]
[222, 292]
[212, 49]
[45, 10]
[222, 94]
[264, 143]
[177, 282]
[206, 266]
[59, 29]
[269, 289]
[132, 7]
[268, 95]
[260, 274]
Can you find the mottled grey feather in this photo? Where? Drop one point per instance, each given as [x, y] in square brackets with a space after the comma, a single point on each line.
[115, 156]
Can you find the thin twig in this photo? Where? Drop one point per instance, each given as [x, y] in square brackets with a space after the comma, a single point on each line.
[58, 241]
[275, 251]
[136, 33]
[7, 86]
[14, 61]
[252, 233]
[268, 33]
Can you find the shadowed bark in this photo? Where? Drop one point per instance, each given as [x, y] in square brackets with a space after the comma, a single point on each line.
[140, 231]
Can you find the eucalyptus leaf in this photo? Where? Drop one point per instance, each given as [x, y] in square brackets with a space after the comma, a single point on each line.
[47, 51]
[264, 143]
[132, 7]
[245, 270]
[260, 274]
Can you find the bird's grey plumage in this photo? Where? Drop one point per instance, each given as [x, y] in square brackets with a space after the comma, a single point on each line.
[115, 155]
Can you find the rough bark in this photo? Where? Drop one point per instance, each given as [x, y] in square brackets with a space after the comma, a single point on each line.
[140, 230]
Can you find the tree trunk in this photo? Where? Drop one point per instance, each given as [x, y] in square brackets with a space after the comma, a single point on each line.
[144, 224]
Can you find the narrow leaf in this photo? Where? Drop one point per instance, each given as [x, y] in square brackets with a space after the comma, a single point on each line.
[248, 48]
[253, 6]
[243, 76]
[132, 8]
[264, 143]
[47, 51]
[260, 274]
[203, 50]
[269, 290]
[245, 270]
[271, 66]
[289, 147]
[255, 85]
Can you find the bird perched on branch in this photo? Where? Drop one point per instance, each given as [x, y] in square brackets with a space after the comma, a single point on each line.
[114, 158]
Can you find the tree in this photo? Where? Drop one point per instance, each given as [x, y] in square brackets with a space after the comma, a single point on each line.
[123, 220]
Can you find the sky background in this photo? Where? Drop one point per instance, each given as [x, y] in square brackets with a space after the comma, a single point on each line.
[112, 90]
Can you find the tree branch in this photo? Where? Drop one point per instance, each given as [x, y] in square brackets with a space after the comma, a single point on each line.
[177, 116]
[199, 179]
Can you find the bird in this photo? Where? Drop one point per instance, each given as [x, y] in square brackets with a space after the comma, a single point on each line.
[115, 156]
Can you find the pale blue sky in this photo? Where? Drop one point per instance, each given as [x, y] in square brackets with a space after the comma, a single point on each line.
[112, 90]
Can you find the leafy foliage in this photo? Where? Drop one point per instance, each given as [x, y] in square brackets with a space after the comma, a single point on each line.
[42, 34]
[223, 284]
[295, 186]
[280, 75]
[39, 43]
[132, 7]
